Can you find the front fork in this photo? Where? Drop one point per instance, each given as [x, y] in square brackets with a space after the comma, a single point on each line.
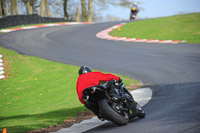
[132, 110]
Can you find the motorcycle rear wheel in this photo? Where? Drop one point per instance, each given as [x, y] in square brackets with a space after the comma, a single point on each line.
[111, 114]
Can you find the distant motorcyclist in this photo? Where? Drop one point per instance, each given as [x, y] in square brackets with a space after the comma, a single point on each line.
[134, 11]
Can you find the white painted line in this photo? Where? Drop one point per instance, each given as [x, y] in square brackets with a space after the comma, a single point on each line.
[2, 76]
[1, 72]
[129, 39]
[51, 25]
[115, 27]
[142, 96]
[140, 40]
[1, 68]
[9, 30]
[153, 41]
[29, 27]
[133, 39]
[119, 39]
[166, 41]
[74, 23]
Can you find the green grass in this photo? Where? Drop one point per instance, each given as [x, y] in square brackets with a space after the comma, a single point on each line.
[179, 27]
[38, 92]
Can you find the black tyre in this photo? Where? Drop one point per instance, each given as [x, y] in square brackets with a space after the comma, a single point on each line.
[110, 113]
[141, 113]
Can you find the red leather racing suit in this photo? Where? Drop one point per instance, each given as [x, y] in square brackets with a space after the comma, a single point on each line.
[91, 79]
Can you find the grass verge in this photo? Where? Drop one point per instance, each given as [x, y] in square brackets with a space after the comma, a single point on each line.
[38, 93]
[179, 27]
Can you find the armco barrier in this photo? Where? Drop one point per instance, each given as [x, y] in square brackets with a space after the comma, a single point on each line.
[10, 21]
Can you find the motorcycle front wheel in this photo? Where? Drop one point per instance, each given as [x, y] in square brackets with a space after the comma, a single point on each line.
[109, 111]
[141, 113]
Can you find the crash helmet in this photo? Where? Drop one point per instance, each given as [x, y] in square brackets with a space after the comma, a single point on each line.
[133, 9]
[84, 69]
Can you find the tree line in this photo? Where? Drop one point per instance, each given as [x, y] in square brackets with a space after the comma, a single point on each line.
[79, 10]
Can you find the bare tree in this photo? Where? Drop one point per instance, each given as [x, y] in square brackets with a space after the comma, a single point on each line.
[78, 15]
[42, 8]
[12, 7]
[64, 8]
[6, 10]
[47, 10]
[90, 11]
[65, 5]
[14, 10]
[2, 7]
[29, 7]
[57, 7]
[84, 11]
[123, 3]
[20, 7]
[44, 4]
[35, 4]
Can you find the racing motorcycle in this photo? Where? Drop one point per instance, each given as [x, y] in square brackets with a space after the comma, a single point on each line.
[133, 15]
[114, 102]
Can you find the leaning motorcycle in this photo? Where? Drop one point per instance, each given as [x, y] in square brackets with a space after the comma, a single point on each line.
[133, 16]
[114, 102]
[134, 12]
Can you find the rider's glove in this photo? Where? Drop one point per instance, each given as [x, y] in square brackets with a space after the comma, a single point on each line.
[117, 83]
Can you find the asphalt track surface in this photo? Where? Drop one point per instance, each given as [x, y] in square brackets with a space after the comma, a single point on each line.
[172, 71]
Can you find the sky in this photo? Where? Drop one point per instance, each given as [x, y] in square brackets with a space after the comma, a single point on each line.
[156, 8]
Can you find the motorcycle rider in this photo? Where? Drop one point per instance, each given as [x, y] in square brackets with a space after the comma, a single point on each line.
[86, 79]
[134, 10]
